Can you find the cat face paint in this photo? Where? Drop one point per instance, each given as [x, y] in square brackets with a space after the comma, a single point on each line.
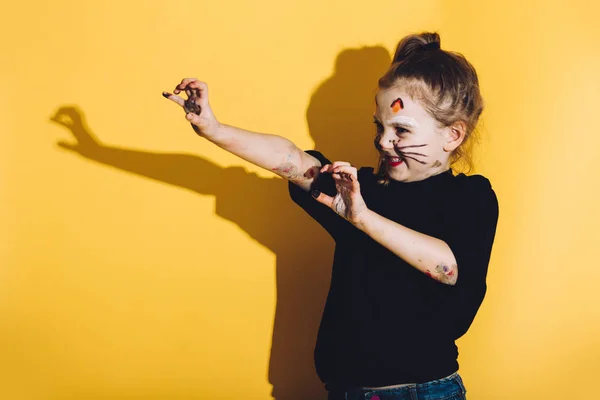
[397, 105]
[408, 138]
[404, 122]
[401, 122]
[411, 154]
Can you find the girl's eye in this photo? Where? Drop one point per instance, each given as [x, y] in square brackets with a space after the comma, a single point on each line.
[400, 130]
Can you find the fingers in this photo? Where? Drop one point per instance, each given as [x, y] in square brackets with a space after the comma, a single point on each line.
[322, 198]
[177, 99]
[184, 82]
[328, 167]
[198, 85]
[189, 105]
[193, 118]
[347, 176]
[335, 168]
[199, 91]
[193, 87]
[341, 171]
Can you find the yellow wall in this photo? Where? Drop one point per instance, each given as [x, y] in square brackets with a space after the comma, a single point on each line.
[150, 265]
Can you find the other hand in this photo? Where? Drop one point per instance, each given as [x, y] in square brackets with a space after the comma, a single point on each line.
[196, 106]
[348, 202]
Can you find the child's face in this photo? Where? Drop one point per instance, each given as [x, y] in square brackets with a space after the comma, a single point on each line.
[409, 137]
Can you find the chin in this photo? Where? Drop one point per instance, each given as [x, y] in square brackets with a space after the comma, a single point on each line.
[398, 175]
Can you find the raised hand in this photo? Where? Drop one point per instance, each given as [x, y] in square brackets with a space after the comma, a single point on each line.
[196, 106]
[348, 202]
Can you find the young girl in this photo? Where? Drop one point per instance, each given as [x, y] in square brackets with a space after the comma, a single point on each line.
[413, 240]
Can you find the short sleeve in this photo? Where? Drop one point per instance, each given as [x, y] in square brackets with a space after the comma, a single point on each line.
[469, 229]
[325, 216]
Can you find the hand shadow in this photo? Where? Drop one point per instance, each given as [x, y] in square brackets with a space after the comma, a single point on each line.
[340, 121]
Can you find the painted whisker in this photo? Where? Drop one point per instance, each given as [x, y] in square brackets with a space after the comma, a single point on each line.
[416, 154]
[413, 145]
[412, 158]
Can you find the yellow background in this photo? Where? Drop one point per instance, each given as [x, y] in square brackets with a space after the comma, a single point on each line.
[150, 264]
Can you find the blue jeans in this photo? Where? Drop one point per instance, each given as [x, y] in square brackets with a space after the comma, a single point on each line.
[448, 388]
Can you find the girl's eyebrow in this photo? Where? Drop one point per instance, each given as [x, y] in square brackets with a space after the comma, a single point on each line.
[403, 121]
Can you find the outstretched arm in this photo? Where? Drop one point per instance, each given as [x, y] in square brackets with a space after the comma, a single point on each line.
[268, 151]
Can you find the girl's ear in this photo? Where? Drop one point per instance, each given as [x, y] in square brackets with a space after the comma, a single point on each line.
[455, 135]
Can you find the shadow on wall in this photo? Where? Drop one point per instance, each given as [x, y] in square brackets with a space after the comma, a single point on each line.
[340, 122]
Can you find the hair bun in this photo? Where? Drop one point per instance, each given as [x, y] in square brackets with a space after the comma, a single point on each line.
[432, 46]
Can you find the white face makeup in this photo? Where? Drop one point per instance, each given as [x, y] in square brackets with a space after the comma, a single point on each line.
[403, 121]
[409, 139]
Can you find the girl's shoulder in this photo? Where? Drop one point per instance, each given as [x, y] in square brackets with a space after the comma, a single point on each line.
[476, 181]
[475, 189]
[366, 172]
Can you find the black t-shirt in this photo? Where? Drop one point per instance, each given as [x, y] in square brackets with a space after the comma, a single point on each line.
[385, 322]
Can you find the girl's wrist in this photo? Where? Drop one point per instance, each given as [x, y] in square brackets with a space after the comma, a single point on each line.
[361, 220]
[215, 133]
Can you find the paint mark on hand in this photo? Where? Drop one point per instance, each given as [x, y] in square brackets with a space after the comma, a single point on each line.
[190, 106]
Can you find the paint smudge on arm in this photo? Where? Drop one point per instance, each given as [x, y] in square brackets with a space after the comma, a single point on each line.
[291, 172]
[446, 274]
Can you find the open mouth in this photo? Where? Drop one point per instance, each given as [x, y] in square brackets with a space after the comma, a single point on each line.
[393, 161]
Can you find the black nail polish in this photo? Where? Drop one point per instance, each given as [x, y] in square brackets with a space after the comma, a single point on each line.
[315, 193]
[165, 94]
